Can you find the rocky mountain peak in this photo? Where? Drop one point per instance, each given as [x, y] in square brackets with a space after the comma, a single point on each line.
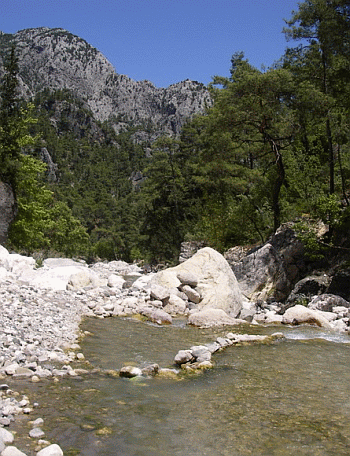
[56, 59]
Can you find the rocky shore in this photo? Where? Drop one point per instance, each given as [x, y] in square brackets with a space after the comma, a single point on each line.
[42, 307]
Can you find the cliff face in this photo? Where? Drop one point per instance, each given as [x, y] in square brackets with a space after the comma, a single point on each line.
[55, 59]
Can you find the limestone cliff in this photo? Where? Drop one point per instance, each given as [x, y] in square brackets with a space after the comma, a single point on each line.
[56, 59]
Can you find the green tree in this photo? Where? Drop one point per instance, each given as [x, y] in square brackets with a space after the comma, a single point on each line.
[14, 123]
[163, 198]
[246, 135]
[41, 223]
[323, 27]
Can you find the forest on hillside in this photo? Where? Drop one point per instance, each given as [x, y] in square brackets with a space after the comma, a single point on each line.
[273, 147]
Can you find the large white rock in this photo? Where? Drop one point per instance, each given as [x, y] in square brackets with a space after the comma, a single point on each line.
[4, 253]
[55, 278]
[18, 264]
[142, 282]
[12, 451]
[85, 278]
[217, 284]
[299, 314]
[6, 436]
[175, 305]
[115, 281]
[51, 450]
[211, 317]
[3, 273]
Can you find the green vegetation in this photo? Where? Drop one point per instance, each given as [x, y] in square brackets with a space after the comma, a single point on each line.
[41, 222]
[273, 147]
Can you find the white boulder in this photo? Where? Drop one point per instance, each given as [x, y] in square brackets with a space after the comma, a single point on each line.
[175, 305]
[207, 318]
[115, 281]
[51, 450]
[299, 314]
[217, 284]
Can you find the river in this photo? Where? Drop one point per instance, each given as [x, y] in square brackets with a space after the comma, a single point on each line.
[287, 398]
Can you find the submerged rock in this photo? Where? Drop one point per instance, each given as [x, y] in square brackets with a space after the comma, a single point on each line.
[130, 372]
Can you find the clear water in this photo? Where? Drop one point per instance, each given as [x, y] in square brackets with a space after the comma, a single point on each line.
[289, 398]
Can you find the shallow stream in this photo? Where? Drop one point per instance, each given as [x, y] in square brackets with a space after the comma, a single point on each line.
[288, 398]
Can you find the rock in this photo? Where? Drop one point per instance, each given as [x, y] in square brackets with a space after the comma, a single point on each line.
[191, 294]
[159, 293]
[3, 274]
[183, 357]
[150, 370]
[12, 451]
[167, 373]
[36, 433]
[213, 347]
[326, 302]
[298, 315]
[175, 305]
[158, 316]
[305, 289]
[271, 317]
[18, 264]
[142, 282]
[53, 275]
[187, 278]
[285, 241]
[341, 325]
[261, 274]
[201, 353]
[248, 311]
[217, 284]
[130, 372]
[83, 279]
[37, 422]
[115, 281]
[51, 450]
[340, 284]
[23, 372]
[12, 368]
[211, 317]
[6, 436]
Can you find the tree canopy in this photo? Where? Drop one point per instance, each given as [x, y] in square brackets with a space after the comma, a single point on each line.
[273, 147]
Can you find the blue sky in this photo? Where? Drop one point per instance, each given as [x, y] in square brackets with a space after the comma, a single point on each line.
[164, 41]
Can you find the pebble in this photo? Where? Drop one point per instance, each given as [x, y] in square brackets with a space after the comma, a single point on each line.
[40, 331]
[36, 433]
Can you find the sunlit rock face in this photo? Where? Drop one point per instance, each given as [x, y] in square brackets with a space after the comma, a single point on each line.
[55, 59]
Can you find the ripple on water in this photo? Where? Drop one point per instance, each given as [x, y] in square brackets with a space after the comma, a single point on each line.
[263, 400]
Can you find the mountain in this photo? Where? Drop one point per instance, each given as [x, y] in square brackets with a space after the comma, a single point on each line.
[95, 130]
[55, 59]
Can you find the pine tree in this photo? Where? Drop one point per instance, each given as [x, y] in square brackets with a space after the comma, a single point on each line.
[11, 122]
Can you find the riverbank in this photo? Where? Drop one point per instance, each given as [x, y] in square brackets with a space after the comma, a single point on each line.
[42, 308]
